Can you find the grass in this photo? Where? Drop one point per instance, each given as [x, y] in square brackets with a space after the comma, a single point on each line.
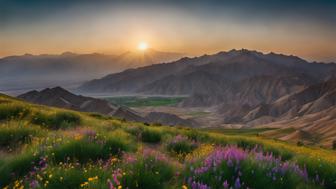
[134, 101]
[55, 148]
[151, 172]
[151, 136]
[15, 167]
[181, 145]
[10, 111]
[252, 131]
[13, 136]
[90, 148]
[59, 120]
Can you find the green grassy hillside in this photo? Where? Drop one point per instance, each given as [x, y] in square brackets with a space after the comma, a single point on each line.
[42, 147]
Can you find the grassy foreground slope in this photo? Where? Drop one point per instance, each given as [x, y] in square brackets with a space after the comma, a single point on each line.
[42, 147]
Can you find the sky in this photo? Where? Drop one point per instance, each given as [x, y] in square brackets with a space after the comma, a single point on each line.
[306, 28]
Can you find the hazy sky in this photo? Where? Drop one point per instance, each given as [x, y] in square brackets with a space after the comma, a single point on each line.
[306, 28]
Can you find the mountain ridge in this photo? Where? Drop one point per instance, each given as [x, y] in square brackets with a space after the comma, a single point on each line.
[70, 69]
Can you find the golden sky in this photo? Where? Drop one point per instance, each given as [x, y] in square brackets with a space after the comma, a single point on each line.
[193, 30]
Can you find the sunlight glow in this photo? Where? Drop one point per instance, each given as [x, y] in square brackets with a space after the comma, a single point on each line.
[142, 46]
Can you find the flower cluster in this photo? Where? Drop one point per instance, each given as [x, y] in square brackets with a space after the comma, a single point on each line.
[232, 167]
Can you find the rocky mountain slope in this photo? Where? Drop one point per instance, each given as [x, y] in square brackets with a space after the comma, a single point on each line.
[313, 99]
[59, 97]
[169, 119]
[213, 74]
[243, 86]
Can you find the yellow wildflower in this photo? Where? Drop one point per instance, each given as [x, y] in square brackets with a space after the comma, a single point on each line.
[84, 184]
[92, 178]
[184, 187]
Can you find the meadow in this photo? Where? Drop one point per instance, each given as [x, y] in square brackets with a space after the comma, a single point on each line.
[43, 147]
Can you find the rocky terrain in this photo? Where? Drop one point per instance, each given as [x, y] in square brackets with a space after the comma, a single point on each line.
[240, 86]
[59, 97]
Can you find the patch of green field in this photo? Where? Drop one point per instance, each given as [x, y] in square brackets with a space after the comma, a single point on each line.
[198, 113]
[247, 131]
[137, 101]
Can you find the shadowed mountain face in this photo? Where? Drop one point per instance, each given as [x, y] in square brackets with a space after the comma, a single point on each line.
[169, 119]
[69, 69]
[313, 99]
[308, 115]
[242, 86]
[59, 97]
[237, 76]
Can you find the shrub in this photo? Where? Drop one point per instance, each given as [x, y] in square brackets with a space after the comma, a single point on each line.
[66, 119]
[115, 144]
[42, 119]
[71, 178]
[321, 171]
[231, 167]
[151, 136]
[12, 111]
[134, 130]
[12, 137]
[89, 149]
[16, 167]
[81, 150]
[299, 143]
[195, 135]
[99, 116]
[149, 172]
[278, 152]
[181, 145]
[247, 144]
[59, 120]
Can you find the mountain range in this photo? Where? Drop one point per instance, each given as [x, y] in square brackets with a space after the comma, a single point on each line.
[220, 73]
[21, 73]
[243, 86]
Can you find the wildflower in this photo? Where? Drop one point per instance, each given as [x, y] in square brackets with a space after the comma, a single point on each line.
[93, 178]
[84, 184]
[237, 183]
[184, 187]
[46, 183]
[33, 184]
[226, 184]
[109, 183]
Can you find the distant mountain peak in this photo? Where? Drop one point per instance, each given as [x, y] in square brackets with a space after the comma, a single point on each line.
[55, 90]
[68, 53]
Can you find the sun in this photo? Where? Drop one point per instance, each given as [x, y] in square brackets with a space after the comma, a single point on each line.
[142, 46]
